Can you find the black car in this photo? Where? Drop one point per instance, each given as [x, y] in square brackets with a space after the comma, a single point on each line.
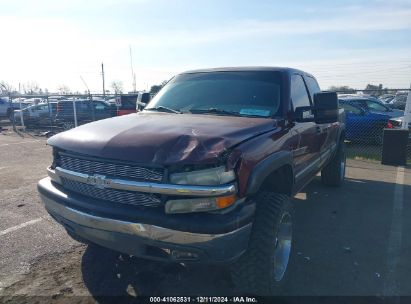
[86, 111]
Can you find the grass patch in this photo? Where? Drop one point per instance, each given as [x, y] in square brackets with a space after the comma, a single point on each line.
[367, 152]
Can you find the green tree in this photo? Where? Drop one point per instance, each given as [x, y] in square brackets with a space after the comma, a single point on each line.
[375, 90]
[156, 88]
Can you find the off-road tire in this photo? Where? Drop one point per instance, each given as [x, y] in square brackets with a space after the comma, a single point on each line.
[253, 273]
[334, 173]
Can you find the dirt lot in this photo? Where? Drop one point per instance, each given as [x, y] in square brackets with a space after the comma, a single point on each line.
[348, 241]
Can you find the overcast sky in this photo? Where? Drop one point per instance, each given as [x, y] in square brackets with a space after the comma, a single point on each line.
[341, 42]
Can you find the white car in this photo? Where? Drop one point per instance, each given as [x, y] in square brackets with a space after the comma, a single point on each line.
[36, 114]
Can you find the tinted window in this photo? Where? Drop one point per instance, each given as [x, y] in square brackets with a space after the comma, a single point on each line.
[375, 106]
[299, 94]
[100, 106]
[350, 109]
[312, 85]
[358, 103]
[245, 93]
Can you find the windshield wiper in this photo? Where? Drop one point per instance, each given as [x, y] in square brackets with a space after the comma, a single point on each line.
[163, 109]
[215, 111]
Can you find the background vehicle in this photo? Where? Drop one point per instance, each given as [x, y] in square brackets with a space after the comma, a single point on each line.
[364, 125]
[127, 104]
[387, 98]
[372, 105]
[6, 107]
[399, 102]
[397, 122]
[131, 103]
[86, 111]
[39, 114]
[204, 173]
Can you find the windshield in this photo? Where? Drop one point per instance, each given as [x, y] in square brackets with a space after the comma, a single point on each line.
[222, 93]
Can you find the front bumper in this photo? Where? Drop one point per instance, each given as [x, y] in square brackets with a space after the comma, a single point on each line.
[142, 239]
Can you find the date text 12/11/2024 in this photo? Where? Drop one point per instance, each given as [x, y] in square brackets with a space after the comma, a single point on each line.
[200, 299]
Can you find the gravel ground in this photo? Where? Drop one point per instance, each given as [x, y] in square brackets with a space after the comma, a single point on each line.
[343, 241]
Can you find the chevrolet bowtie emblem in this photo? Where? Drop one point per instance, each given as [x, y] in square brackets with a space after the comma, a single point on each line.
[97, 180]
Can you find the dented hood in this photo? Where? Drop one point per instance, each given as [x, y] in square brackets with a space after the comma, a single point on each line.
[161, 138]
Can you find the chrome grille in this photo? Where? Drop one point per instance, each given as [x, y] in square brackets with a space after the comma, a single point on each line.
[110, 169]
[117, 196]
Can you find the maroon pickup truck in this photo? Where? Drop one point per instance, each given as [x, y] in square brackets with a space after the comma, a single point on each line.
[204, 174]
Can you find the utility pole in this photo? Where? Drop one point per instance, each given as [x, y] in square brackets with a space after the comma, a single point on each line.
[133, 75]
[102, 74]
[407, 112]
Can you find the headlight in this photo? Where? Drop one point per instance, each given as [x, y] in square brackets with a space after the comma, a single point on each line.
[207, 177]
[200, 204]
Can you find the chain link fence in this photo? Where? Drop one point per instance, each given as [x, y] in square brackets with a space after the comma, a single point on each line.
[49, 115]
[367, 115]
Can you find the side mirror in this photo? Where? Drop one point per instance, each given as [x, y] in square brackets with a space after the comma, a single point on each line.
[326, 107]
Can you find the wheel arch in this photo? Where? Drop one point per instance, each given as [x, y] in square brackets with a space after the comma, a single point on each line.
[275, 174]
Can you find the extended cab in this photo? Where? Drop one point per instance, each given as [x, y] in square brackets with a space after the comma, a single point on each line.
[204, 174]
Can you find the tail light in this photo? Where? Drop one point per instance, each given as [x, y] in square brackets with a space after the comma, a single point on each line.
[390, 125]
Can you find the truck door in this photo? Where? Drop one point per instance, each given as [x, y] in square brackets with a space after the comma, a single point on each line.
[306, 156]
[327, 132]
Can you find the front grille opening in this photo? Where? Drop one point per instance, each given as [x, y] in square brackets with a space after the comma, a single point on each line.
[112, 195]
[125, 171]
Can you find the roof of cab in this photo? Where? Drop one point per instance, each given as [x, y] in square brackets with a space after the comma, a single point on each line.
[249, 68]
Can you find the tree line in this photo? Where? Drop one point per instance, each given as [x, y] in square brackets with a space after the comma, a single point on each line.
[33, 88]
[370, 89]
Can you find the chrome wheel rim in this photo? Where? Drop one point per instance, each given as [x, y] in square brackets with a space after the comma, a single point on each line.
[282, 245]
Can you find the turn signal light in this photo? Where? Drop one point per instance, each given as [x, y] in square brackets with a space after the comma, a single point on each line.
[225, 201]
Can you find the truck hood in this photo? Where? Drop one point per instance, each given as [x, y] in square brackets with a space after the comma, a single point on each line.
[162, 138]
